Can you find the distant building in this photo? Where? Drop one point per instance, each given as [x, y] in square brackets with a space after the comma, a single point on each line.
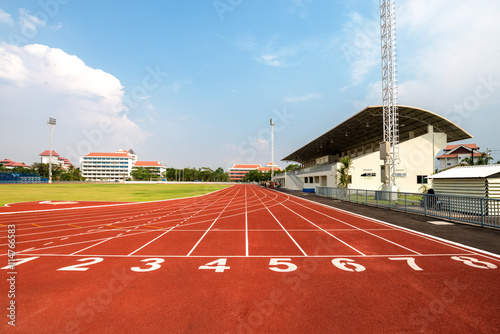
[116, 166]
[454, 155]
[9, 164]
[56, 159]
[238, 171]
[154, 167]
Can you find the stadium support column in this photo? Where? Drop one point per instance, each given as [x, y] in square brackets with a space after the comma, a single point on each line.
[389, 148]
[51, 122]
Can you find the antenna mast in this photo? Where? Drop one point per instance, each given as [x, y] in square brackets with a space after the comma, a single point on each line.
[390, 149]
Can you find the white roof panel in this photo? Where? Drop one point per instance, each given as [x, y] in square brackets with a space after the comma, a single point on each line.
[468, 172]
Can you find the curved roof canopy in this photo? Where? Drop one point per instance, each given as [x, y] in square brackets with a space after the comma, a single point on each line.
[366, 127]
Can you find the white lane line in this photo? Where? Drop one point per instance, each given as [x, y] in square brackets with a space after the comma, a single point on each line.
[81, 250]
[295, 242]
[138, 249]
[246, 223]
[360, 229]
[204, 234]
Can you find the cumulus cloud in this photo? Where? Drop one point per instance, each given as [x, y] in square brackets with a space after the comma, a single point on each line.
[29, 23]
[360, 46]
[6, 18]
[311, 96]
[38, 82]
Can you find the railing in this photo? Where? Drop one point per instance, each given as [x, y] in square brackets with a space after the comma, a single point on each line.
[480, 211]
[315, 169]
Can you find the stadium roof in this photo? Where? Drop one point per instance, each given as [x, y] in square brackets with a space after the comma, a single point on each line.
[366, 128]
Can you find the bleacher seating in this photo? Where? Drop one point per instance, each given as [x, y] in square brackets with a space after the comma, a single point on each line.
[21, 178]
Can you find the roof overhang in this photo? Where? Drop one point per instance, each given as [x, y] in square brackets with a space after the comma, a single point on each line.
[366, 127]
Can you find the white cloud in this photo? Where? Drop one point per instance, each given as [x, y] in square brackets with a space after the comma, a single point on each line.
[303, 98]
[360, 47]
[28, 22]
[272, 60]
[38, 81]
[6, 18]
[450, 54]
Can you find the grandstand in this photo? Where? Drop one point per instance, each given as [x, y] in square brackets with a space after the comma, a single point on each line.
[422, 135]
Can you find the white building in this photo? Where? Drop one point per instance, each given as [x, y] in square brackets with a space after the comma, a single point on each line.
[155, 168]
[116, 166]
[422, 135]
[454, 155]
[45, 158]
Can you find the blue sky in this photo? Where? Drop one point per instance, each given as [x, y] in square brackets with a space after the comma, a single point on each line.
[194, 83]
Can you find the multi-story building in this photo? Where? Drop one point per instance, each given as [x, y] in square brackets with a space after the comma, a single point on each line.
[453, 155]
[56, 159]
[155, 168]
[116, 166]
[238, 171]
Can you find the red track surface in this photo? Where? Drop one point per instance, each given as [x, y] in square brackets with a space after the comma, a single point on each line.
[275, 263]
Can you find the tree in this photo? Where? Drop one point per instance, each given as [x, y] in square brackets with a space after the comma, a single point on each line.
[291, 167]
[483, 159]
[344, 178]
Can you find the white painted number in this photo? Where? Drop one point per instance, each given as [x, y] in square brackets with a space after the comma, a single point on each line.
[218, 265]
[473, 262]
[154, 264]
[409, 260]
[342, 264]
[276, 262]
[79, 267]
[17, 262]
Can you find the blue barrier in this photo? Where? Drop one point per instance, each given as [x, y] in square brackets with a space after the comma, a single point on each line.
[17, 178]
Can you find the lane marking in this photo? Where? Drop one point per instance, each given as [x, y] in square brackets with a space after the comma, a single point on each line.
[295, 242]
[153, 226]
[37, 225]
[357, 228]
[81, 250]
[246, 223]
[138, 249]
[74, 225]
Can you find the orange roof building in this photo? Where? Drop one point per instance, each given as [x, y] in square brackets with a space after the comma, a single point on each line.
[453, 155]
[238, 171]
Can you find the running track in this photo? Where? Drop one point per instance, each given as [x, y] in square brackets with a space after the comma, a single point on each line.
[240, 260]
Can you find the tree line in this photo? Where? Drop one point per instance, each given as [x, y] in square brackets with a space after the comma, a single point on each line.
[203, 174]
[42, 170]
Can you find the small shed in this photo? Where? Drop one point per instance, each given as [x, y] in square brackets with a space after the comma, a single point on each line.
[469, 181]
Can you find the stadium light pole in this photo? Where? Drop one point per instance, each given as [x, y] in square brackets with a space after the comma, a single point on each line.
[272, 148]
[51, 122]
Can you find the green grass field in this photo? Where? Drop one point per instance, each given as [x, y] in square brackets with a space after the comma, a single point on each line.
[14, 193]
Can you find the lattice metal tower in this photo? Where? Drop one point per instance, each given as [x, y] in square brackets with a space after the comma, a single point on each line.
[389, 88]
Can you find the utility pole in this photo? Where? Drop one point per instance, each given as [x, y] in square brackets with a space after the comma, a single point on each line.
[272, 148]
[51, 122]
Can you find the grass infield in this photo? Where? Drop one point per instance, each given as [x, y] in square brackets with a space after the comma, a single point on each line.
[14, 193]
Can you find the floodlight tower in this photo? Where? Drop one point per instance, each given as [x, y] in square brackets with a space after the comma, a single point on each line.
[51, 122]
[389, 149]
[272, 148]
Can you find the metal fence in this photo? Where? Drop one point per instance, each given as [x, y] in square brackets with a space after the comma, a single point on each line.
[480, 211]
